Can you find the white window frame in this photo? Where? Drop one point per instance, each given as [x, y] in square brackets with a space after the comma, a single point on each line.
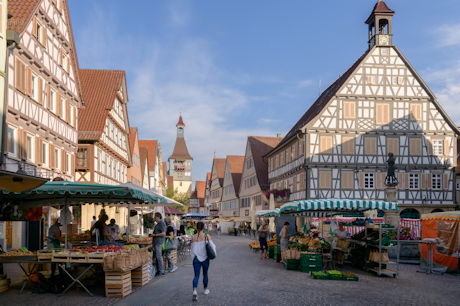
[39, 31]
[69, 163]
[53, 100]
[414, 181]
[384, 51]
[293, 152]
[63, 109]
[286, 157]
[45, 154]
[109, 128]
[436, 181]
[34, 85]
[57, 158]
[438, 147]
[32, 147]
[369, 181]
[458, 185]
[71, 120]
[374, 79]
[64, 60]
[394, 80]
[15, 140]
[115, 170]
[99, 161]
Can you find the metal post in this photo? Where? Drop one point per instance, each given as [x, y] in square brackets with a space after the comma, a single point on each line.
[65, 218]
[129, 222]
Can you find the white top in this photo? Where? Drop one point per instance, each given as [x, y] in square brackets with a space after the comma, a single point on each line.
[198, 249]
[92, 223]
[114, 230]
[218, 225]
[342, 234]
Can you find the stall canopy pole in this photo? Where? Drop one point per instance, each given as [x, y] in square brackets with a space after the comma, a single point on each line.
[65, 219]
[142, 222]
[129, 222]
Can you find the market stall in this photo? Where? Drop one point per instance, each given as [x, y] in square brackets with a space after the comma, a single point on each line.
[441, 241]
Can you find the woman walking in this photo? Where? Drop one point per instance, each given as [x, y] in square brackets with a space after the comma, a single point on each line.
[200, 258]
[263, 230]
[284, 234]
[169, 235]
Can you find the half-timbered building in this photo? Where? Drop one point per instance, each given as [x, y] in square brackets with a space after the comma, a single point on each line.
[155, 164]
[379, 106]
[134, 172]
[207, 197]
[44, 91]
[254, 182]
[217, 180]
[231, 186]
[144, 160]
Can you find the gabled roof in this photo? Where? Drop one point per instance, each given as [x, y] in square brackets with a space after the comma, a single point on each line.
[219, 164]
[316, 108]
[180, 149]
[132, 139]
[200, 187]
[20, 15]
[100, 89]
[170, 180]
[151, 146]
[236, 164]
[143, 156]
[194, 195]
[259, 147]
[380, 8]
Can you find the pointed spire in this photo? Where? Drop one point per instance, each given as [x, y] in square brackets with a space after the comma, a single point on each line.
[181, 122]
[380, 8]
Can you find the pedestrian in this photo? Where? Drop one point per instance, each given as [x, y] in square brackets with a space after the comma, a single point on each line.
[342, 244]
[218, 229]
[284, 240]
[200, 258]
[235, 228]
[169, 235]
[100, 229]
[54, 241]
[263, 231]
[92, 223]
[210, 228]
[182, 229]
[114, 231]
[159, 233]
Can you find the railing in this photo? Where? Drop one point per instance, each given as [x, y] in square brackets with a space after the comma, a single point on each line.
[31, 170]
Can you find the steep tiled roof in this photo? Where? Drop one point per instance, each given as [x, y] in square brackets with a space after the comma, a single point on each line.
[100, 89]
[236, 164]
[151, 146]
[180, 149]
[143, 156]
[219, 163]
[170, 181]
[322, 101]
[194, 195]
[208, 176]
[132, 139]
[21, 12]
[259, 147]
[181, 122]
[201, 188]
[380, 8]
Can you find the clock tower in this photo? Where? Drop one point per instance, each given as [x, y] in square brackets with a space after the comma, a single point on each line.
[180, 162]
[379, 22]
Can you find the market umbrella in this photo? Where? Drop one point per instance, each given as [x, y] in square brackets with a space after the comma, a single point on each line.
[167, 201]
[271, 206]
[253, 215]
[335, 204]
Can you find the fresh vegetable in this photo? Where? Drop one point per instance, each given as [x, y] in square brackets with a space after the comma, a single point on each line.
[334, 272]
[319, 273]
[349, 274]
[18, 252]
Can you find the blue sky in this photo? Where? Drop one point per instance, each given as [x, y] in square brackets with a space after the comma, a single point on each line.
[238, 68]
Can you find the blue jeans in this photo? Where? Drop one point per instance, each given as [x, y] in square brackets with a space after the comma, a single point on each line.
[169, 258]
[159, 259]
[197, 267]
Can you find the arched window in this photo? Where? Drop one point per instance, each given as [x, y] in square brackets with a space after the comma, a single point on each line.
[410, 213]
[436, 210]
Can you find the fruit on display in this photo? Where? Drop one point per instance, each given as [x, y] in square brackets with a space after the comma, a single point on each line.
[271, 242]
[303, 241]
[254, 245]
[312, 253]
[81, 236]
[313, 242]
[334, 272]
[274, 237]
[348, 274]
[132, 246]
[142, 240]
[100, 249]
[19, 252]
[318, 273]
[322, 244]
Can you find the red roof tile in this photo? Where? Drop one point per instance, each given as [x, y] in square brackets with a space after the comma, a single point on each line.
[151, 146]
[194, 195]
[219, 163]
[322, 101]
[380, 8]
[236, 164]
[132, 139]
[100, 89]
[259, 147]
[21, 12]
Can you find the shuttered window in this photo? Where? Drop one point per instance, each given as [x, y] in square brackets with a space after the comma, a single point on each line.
[415, 146]
[370, 145]
[348, 145]
[393, 146]
[326, 144]
[20, 75]
[349, 110]
[415, 112]
[347, 180]
[382, 113]
[325, 179]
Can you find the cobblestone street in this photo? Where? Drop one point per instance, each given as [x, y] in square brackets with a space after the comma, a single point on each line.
[238, 277]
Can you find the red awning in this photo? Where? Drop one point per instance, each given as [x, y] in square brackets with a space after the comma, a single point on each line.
[173, 211]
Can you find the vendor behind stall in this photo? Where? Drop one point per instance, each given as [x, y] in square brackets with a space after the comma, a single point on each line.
[113, 230]
[101, 227]
[342, 243]
[54, 240]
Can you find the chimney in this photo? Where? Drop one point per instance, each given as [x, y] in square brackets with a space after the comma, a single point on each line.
[278, 135]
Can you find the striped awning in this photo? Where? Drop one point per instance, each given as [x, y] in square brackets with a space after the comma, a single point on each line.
[268, 213]
[329, 205]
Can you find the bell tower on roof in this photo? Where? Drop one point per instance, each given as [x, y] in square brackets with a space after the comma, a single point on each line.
[180, 161]
[380, 25]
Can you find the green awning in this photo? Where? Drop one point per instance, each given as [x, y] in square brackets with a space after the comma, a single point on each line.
[335, 205]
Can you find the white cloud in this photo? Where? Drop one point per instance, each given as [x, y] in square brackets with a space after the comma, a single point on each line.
[179, 13]
[306, 83]
[449, 35]
[446, 86]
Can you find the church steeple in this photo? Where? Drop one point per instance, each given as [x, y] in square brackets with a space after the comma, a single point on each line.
[180, 126]
[379, 22]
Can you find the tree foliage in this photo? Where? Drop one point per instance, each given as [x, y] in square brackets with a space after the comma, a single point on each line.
[181, 197]
[149, 222]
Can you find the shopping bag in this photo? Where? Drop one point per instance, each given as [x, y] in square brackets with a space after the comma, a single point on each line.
[385, 257]
[343, 244]
[170, 244]
[108, 263]
[119, 263]
[297, 254]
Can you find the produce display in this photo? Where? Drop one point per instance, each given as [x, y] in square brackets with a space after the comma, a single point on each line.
[313, 242]
[255, 244]
[348, 274]
[132, 246]
[302, 247]
[81, 236]
[322, 244]
[98, 249]
[19, 252]
[334, 272]
[141, 240]
[271, 242]
[318, 273]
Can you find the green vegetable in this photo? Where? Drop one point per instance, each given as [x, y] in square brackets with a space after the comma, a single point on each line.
[319, 273]
[349, 274]
[334, 272]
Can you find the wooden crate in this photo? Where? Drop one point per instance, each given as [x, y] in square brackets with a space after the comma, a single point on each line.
[44, 255]
[140, 276]
[139, 282]
[117, 278]
[173, 256]
[95, 258]
[80, 258]
[118, 291]
[64, 257]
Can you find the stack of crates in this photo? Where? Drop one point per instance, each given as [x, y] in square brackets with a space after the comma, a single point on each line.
[117, 284]
[291, 264]
[277, 253]
[271, 251]
[140, 276]
[311, 262]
